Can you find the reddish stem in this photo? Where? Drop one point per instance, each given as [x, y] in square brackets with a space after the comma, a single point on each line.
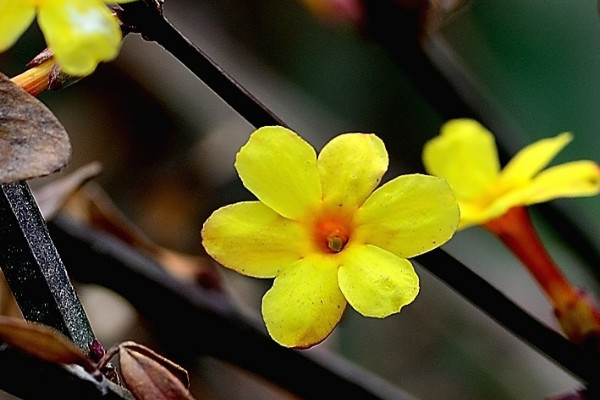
[37, 79]
[516, 231]
[578, 316]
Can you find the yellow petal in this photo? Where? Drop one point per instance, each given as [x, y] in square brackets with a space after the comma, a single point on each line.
[408, 216]
[253, 240]
[81, 33]
[351, 167]
[280, 168]
[465, 154]
[375, 282]
[15, 17]
[305, 303]
[574, 179]
[532, 159]
[472, 213]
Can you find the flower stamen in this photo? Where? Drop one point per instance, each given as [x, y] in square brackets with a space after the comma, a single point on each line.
[336, 241]
[332, 234]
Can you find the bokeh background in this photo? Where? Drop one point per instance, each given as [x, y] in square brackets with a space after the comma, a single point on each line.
[167, 143]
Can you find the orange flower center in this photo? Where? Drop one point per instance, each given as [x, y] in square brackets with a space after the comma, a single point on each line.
[332, 233]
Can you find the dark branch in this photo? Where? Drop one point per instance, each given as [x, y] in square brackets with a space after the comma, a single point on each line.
[449, 88]
[581, 363]
[34, 270]
[219, 330]
[402, 41]
[147, 20]
[203, 322]
[30, 378]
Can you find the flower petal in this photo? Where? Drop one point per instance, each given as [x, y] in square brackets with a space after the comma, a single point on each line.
[253, 240]
[351, 167]
[305, 303]
[280, 168]
[15, 18]
[81, 33]
[574, 179]
[408, 216]
[532, 159]
[375, 282]
[473, 213]
[465, 154]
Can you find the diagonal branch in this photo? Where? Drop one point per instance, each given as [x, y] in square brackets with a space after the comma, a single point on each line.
[451, 89]
[31, 378]
[150, 22]
[203, 321]
[147, 19]
[34, 270]
[581, 363]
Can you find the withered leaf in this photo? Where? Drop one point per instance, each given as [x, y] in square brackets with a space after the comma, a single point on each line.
[33, 142]
[149, 375]
[52, 196]
[175, 369]
[93, 206]
[43, 342]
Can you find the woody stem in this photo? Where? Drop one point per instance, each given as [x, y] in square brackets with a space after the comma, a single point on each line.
[577, 314]
[516, 231]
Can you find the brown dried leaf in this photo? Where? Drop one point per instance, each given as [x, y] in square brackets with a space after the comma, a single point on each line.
[175, 369]
[52, 196]
[92, 205]
[149, 375]
[43, 342]
[33, 143]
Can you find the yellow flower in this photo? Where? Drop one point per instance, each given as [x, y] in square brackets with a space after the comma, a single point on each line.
[80, 33]
[324, 233]
[465, 154]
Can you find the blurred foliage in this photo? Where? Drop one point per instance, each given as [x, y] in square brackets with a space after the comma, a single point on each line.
[350, 74]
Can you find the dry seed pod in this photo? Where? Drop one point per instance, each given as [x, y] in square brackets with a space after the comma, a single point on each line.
[151, 376]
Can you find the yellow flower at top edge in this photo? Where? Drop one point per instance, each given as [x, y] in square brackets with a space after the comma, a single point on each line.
[465, 154]
[80, 33]
[324, 233]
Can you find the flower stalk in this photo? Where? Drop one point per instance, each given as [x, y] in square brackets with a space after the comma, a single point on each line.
[576, 313]
[37, 79]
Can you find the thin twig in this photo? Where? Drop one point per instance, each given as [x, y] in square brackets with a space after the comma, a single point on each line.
[146, 19]
[582, 364]
[203, 321]
[219, 330]
[31, 378]
[155, 27]
[450, 88]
